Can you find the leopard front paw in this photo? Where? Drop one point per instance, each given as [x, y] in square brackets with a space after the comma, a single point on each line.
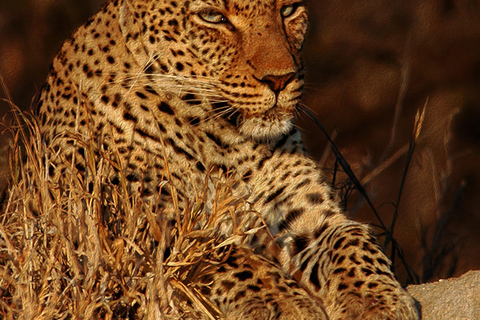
[373, 301]
[246, 286]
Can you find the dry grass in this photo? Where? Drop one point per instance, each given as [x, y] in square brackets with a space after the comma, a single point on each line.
[72, 252]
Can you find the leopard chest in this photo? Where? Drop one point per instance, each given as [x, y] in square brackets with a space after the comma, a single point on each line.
[168, 139]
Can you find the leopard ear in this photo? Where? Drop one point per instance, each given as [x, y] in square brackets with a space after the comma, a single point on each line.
[132, 33]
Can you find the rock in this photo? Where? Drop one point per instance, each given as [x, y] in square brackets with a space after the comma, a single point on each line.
[452, 299]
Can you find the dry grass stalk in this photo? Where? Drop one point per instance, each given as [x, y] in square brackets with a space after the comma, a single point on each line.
[76, 249]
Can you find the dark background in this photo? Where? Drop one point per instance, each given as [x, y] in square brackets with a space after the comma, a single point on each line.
[372, 65]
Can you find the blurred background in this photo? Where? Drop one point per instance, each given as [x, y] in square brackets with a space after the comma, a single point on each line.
[372, 66]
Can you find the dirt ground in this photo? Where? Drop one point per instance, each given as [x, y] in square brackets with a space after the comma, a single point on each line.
[372, 66]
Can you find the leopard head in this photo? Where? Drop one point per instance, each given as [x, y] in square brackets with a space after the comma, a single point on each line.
[242, 56]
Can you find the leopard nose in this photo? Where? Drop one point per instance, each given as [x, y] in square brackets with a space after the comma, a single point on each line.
[278, 82]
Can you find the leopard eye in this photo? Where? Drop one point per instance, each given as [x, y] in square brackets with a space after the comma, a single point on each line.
[288, 10]
[212, 16]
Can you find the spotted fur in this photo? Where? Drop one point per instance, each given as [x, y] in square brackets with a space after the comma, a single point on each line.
[201, 85]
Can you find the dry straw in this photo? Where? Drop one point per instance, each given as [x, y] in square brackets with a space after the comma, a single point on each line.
[79, 248]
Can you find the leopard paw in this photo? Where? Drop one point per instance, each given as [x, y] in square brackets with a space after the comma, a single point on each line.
[385, 303]
[248, 286]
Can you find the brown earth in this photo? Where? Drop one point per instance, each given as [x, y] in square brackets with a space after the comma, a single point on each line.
[372, 65]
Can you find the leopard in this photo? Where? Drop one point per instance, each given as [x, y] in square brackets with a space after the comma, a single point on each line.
[199, 85]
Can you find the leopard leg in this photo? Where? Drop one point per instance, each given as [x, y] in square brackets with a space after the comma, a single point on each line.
[354, 279]
[248, 286]
[333, 257]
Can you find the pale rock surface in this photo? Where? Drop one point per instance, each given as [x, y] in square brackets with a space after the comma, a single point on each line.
[451, 299]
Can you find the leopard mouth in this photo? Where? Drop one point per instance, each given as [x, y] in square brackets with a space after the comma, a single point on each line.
[227, 112]
[268, 125]
[273, 122]
[234, 115]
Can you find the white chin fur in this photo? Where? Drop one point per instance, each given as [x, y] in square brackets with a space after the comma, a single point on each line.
[259, 129]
